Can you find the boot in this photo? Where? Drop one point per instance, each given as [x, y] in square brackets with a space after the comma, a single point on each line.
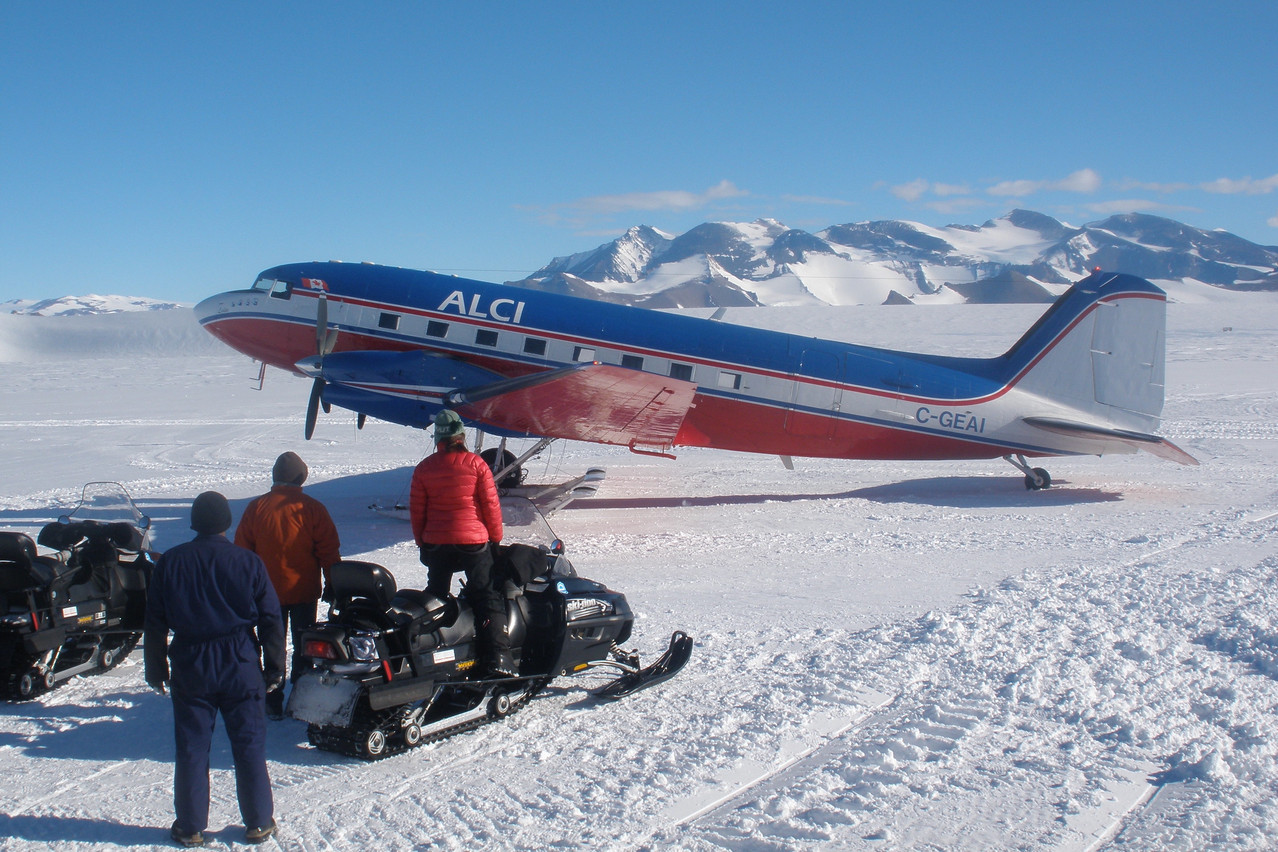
[500, 661]
[186, 838]
[502, 665]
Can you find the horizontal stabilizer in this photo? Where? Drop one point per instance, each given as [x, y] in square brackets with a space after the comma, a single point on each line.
[585, 402]
[1152, 444]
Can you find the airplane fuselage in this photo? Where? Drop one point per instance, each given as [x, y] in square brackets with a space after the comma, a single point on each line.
[755, 390]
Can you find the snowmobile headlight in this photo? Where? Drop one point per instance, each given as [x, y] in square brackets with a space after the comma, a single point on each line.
[588, 608]
[363, 647]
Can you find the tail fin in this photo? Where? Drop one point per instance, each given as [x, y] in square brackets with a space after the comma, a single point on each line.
[1096, 360]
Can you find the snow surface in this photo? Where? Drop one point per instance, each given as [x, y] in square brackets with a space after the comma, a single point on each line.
[889, 655]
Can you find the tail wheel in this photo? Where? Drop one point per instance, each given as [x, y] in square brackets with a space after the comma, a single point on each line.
[500, 705]
[412, 735]
[1038, 479]
[375, 743]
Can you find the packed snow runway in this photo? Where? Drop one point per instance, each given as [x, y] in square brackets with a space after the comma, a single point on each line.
[904, 656]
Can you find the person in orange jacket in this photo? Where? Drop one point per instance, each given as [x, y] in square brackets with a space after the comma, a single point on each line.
[456, 518]
[296, 538]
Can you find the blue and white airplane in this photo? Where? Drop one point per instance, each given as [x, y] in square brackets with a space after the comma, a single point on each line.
[400, 344]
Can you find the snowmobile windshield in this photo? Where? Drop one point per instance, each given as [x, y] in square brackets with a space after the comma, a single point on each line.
[523, 523]
[107, 503]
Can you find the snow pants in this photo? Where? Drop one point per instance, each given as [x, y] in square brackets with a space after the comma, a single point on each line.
[298, 617]
[487, 602]
[219, 676]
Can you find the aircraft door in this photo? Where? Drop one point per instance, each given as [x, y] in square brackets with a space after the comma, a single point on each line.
[817, 396]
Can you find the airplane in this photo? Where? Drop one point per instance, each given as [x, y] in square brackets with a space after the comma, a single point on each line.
[400, 344]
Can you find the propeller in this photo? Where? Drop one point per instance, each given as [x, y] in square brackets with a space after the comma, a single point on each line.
[325, 340]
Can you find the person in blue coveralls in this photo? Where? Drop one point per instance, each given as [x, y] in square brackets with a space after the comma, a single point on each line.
[218, 601]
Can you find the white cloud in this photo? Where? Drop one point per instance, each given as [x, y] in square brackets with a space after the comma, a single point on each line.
[1150, 186]
[1083, 180]
[911, 191]
[1220, 186]
[1273, 222]
[916, 189]
[955, 206]
[815, 199]
[1243, 186]
[1106, 208]
[675, 199]
[947, 189]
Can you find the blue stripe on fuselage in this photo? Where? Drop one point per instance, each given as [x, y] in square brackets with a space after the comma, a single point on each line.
[645, 332]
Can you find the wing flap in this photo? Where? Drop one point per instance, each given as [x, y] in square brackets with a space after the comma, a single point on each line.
[585, 402]
[1152, 444]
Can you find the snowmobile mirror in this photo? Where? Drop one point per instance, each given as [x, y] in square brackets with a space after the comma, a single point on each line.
[64, 519]
[557, 547]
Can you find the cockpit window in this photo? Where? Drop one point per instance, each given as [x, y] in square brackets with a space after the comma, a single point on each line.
[276, 289]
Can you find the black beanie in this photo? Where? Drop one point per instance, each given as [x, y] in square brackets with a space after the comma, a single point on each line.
[289, 469]
[210, 514]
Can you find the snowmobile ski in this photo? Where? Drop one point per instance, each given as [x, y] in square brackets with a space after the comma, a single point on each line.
[666, 667]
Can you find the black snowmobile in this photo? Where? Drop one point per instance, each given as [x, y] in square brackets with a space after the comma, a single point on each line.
[394, 668]
[80, 611]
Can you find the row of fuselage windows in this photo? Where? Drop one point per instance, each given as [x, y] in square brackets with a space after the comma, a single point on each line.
[537, 347]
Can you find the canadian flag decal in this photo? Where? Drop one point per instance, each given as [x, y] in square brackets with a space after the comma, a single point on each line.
[315, 284]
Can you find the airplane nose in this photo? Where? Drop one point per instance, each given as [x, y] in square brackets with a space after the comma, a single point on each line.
[210, 307]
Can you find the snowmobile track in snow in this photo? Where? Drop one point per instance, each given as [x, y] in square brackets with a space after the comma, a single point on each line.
[751, 779]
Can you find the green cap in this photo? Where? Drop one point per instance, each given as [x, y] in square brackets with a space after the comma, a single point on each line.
[447, 425]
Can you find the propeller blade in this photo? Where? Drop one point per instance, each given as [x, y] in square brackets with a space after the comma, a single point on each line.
[312, 407]
[321, 325]
[359, 421]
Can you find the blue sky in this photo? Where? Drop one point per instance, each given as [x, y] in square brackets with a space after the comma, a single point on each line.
[176, 149]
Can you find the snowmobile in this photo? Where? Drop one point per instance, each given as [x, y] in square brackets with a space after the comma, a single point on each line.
[393, 668]
[80, 611]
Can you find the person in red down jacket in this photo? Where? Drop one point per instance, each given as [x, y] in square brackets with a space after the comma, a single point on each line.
[456, 517]
[296, 538]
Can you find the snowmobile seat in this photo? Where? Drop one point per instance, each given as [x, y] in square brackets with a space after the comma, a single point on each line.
[349, 580]
[20, 566]
[462, 629]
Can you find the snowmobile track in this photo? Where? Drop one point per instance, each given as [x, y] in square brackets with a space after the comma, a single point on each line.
[743, 786]
[351, 742]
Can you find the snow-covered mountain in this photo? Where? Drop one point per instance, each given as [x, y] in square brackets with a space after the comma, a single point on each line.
[84, 305]
[1021, 257]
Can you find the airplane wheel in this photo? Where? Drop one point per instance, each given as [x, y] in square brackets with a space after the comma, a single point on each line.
[1038, 480]
[412, 735]
[511, 480]
[374, 743]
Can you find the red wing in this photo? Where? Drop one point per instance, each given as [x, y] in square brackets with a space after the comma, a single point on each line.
[589, 402]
